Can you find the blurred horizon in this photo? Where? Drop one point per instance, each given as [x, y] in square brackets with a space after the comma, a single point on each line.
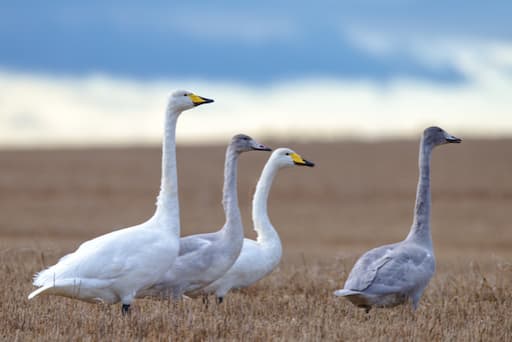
[95, 74]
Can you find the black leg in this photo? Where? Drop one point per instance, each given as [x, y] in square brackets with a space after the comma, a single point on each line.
[206, 301]
[367, 308]
[125, 309]
[219, 300]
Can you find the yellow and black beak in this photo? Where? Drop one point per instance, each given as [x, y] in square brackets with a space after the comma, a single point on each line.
[298, 160]
[198, 100]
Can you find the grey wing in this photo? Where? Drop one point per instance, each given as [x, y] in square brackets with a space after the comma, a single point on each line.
[365, 270]
[407, 269]
[192, 243]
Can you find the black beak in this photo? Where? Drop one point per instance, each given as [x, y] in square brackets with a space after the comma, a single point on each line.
[261, 147]
[306, 163]
[204, 99]
[454, 140]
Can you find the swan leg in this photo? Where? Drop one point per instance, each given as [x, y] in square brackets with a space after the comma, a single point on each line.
[414, 303]
[125, 309]
[415, 300]
[219, 300]
[366, 308]
[206, 301]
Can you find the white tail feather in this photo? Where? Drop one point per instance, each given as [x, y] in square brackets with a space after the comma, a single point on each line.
[39, 291]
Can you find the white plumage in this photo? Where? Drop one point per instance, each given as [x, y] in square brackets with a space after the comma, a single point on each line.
[114, 266]
[394, 274]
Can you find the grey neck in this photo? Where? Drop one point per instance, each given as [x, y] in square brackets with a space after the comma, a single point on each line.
[167, 201]
[420, 230]
[229, 192]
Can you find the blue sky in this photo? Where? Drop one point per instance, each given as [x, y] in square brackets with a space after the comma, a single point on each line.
[259, 45]
[263, 41]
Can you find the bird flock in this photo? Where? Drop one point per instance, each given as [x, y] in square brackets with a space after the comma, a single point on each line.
[152, 260]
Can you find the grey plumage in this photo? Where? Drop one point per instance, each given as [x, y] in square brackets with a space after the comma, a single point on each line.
[394, 274]
[203, 258]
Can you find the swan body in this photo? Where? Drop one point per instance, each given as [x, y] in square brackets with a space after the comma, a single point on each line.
[113, 267]
[258, 258]
[394, 274]
[204, 258]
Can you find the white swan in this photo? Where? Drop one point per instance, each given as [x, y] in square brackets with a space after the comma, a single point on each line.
[394, 274]
[258, 258]
[114, 266]
[204, 258]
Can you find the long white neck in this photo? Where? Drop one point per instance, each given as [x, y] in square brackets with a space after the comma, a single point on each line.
[167, 205]
[233, 224]
[261, 221]
[420, 230]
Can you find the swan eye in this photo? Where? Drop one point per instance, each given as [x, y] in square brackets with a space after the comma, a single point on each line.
[185, 94]
[287, 153]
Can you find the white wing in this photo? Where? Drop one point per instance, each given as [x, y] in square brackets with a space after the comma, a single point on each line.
[120, 253]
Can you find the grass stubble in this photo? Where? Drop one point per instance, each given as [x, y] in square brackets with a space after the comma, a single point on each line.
[326, 220]
[294, 303]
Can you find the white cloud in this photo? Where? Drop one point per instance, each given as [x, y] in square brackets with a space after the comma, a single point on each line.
[467, 54]
[44, 110]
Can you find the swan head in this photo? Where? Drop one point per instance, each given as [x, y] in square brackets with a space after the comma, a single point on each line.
[243, 143]
[285, 157]
[438, 136]
[182, 100]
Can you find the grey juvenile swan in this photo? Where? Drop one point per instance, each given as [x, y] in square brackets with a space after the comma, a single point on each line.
[113, 267]
[203, 258]
[258, 258]
[394, 274]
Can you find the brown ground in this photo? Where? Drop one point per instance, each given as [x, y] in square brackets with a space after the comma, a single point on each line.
[360, 195]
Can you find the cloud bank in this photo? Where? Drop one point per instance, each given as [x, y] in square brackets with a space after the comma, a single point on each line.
[46, 110]
[43, 111]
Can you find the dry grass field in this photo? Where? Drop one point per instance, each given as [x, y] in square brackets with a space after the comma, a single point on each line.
[360, 195]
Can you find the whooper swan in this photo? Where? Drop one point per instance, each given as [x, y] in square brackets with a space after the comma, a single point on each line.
[113, 267]
[258, 258]
[203, 258]
[394, 274]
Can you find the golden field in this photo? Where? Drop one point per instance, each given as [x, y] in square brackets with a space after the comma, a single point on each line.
[358, 196]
